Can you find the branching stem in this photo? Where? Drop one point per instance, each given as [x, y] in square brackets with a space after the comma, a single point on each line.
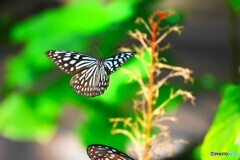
[148, 115]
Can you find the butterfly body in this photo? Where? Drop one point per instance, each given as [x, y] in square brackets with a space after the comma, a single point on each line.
[90, 75]
[104, 152]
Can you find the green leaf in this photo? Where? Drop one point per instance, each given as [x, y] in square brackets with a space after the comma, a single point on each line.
[235, 5]
[84, 17]
[224, 133]
[24, 118]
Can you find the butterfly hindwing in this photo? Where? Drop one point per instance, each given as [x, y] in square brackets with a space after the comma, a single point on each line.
[68, 61]
[112, 63]
[104, 152]
[92, 81]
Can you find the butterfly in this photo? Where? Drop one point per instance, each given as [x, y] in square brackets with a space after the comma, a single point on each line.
[104, 152]
[90, 75]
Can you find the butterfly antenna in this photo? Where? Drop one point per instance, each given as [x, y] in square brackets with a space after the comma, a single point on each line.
[99, 50]
[109, 51]
[113, 49]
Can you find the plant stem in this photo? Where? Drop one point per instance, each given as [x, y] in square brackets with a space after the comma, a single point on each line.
[150, 97]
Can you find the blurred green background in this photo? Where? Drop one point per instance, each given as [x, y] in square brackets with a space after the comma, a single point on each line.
[42, 118]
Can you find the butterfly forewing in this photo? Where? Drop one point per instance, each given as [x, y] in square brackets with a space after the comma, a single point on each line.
[70, 62]
[103, 152]
[112, 63]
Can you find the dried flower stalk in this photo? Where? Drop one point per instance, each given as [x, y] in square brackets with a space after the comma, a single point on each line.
[148, 115]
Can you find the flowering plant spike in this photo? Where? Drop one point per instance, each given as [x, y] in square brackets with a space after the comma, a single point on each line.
[148, 145]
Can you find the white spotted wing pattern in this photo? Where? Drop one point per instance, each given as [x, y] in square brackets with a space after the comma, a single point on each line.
[90, 75]
[103, 152]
